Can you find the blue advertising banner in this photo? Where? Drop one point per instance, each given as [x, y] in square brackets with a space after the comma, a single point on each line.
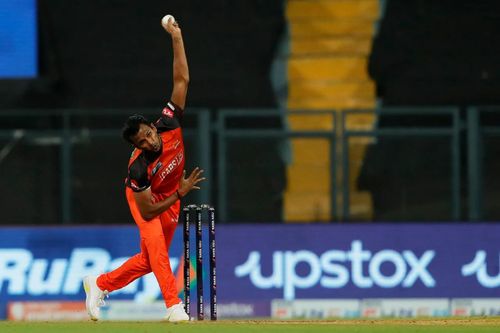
[258, 263]
[363, 261]
[18, 39]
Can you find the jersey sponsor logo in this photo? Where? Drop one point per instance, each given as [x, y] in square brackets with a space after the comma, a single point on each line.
[174, 163]
[156, 168]
[176, 144]
[168, 113]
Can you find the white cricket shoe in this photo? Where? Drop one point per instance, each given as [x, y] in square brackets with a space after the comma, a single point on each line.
[176, 313]
[94, 296]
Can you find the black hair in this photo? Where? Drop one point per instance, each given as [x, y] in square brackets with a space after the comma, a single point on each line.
[132, 126]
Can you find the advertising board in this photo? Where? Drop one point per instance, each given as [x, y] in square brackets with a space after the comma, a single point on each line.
[259, 263]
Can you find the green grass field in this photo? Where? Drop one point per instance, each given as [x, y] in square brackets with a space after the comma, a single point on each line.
[264, 326]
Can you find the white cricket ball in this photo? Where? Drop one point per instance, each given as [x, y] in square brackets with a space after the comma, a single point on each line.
[166, 18]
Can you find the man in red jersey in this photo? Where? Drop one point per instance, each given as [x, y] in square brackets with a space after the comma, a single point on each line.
[155, 184]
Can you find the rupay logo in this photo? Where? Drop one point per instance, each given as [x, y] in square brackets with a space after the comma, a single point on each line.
[21, 273]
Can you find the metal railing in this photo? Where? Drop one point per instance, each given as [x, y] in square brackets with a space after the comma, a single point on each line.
[224, 133]
[66, 136]
[452, 131]
[476, 133]
[213, 127]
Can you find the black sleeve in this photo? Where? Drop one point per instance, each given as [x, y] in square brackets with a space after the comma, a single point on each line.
[137, 178]
[171, 117]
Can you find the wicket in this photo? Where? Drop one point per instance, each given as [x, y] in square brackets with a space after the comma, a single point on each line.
[198, 209]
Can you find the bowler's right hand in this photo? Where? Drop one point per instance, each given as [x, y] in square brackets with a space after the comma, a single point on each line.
[172, 27]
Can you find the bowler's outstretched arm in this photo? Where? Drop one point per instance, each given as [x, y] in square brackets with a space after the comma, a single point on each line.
[180, 65]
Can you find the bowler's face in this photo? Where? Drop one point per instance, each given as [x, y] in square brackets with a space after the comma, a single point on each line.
[147, 138]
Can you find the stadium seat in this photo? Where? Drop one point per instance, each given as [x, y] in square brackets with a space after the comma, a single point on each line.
[327, 70]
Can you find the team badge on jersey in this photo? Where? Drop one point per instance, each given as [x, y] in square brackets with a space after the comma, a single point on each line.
[156, 168]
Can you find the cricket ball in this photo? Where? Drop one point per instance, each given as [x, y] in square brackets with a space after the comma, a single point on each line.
[165, 19]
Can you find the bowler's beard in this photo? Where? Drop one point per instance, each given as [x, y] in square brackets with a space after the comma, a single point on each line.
[157, 148]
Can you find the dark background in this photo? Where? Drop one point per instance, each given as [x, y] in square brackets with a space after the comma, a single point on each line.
[431, 53]
[114, 53]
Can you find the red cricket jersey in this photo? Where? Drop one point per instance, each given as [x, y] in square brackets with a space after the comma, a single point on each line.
[160, 170]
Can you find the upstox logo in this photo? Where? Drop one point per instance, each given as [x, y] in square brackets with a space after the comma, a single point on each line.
[479, 268]
[23, 274]
[331, 269]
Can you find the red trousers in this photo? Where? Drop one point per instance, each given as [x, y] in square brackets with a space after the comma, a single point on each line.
[156, 236]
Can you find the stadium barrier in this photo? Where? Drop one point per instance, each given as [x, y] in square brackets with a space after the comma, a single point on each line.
[261, 263]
